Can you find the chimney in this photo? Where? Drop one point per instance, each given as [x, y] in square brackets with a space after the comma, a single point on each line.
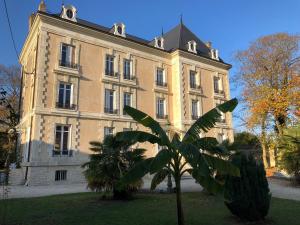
[42, 6]
[209, 44]
[30, 21]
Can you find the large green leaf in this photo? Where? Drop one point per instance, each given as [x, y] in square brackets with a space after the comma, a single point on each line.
[207, 182]
[161, 160]
[210, 144]
[149, 122]
[208, 120]
[190, 153]
[137, 136]
[221, 165]
[138, 171]
[158, 178]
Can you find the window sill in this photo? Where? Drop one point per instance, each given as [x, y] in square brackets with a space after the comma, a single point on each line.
[67, 71]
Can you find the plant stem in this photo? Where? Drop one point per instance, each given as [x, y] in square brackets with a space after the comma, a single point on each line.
[180, 215]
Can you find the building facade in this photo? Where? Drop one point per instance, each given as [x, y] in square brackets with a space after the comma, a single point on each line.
[77, 76]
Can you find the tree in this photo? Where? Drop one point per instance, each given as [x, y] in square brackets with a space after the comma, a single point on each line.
[248, 196]
[289, 151]
[110, 161]
[269, 77]
[9, 107]
[200, 157]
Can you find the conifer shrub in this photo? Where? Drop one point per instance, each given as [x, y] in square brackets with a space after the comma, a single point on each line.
[248, 196]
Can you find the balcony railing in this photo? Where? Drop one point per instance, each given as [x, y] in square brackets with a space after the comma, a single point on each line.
[161, 116]
[195, 117]
[220, 92]
[161, 83]
[128, 77]
[195, 86]
[111, 73]
[56, 152]
[221, 120]
[65, 106]
[110, 111]
[68, 64]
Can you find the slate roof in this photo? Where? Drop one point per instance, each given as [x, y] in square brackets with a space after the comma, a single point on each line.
[176, 38]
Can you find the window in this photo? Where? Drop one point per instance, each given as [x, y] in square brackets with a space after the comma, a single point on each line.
[108, 131]
[127, 69]
[160, 108]
[222, 118]
[109, 65]
[109, 102]
[159, 42]
[220, 138]
[64, 96]
[216, 84]
[127, 100]
[160, 78]
[62, 134]
[193, 79]
[60, 175]
[192, 46]
[67, 56]
[195, 111]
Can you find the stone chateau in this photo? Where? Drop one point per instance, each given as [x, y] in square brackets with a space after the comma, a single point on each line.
[77, 76]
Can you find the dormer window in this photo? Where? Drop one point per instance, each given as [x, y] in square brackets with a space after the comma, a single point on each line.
[214, 54]
[69, 13]
[192, 46]
[159, 42]
[119, 29]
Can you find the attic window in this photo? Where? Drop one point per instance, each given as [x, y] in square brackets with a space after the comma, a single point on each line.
[214, 54]
[119, 29]
[69, 13]
[159, 42]
[192, 46]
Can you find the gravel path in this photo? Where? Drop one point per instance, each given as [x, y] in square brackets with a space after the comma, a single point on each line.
[279, 189]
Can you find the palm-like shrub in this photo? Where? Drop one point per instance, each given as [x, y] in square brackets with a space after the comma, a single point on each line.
[248, 196]
[289, 152]
[110, 161]
[201, 157]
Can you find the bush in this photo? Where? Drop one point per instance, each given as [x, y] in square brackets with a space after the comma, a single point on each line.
[289, 152]
[111, 160]
[248, 196]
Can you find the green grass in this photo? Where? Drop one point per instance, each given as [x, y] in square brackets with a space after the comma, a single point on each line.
[146, 209]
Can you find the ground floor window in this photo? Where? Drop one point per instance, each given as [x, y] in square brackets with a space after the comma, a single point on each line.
[60, 175]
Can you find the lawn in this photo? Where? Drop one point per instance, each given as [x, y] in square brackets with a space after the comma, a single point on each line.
[146, 209]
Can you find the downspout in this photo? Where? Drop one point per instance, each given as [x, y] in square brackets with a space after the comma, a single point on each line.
[32, 106]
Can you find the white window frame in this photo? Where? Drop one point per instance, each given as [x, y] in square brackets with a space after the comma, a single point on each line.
[109, 65]
[64, 94]
[61, 150]
[158, 106]
[127, 76]
[109, 104]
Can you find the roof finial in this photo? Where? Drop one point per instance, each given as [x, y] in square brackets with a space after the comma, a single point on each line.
[162, 31]
[181, 21]
[42, 6]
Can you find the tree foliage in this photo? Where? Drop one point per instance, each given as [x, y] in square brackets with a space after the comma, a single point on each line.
[110, 161]
[248, 196]
[289, 151]
[9, 109]
[269, 75]
[188, 153]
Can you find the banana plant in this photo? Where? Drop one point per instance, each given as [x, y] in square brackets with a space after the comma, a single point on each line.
[188, 153]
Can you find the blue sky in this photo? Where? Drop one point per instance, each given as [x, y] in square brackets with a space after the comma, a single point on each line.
[229, 24]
